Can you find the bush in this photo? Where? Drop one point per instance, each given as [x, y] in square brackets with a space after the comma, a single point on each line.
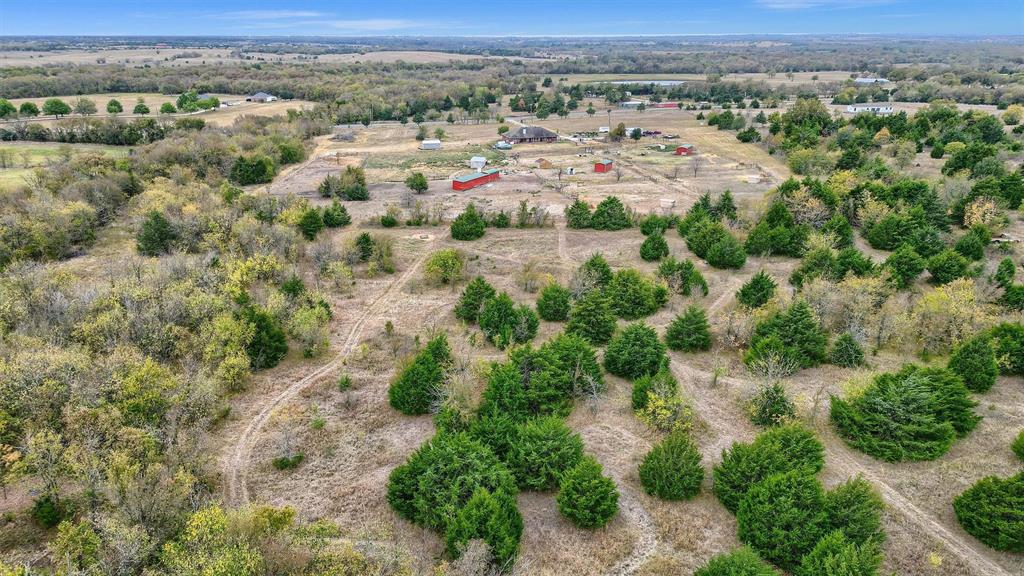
[757, 291]
[156, 235]
[438, 480]
[444, 266]
[504, 323]
[682, 277]
[993, 511]
[703, 235]
[672, 469]
[336, 215]
[905, 266]
[835, 555]
[597, 268]
[592, 318]
[633, 295]
[610, 214]
[689, 332]
[1008, 341]
[310, 223]
[417, 182]
[577, 215]
[415, 389]
[288, 462]
[727, 253]
[740, 562]
[654, 248]
[492, 518]
[855, 509]
[634, 352]
[586, 496]
[654, 224]
[48, 511]
[472, 300]
[803, 342]
[777, 450]
[1018, 445]
[771, 407]
[544, 449]
[846, 352]
[947, 266]
[913, 414]
[777, 233]
[469, 225]
[970, 246]
[553, 303]
[783, 517]
[662, 383]
[269, 343]
[974, 361]
[256, 169]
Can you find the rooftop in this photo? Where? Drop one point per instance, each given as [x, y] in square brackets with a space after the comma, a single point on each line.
[473, 176]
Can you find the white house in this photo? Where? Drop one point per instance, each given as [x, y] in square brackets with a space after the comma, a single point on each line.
[261, 97]
[870, 80]
[477, 163]
[603, 129]
[430, 144]
[872, 108]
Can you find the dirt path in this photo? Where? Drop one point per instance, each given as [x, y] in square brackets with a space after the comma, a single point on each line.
[236, 489]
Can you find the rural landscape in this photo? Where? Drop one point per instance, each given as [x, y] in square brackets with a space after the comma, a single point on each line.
[739, 305]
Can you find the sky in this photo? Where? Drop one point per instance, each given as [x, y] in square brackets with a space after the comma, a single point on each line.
[511, 17]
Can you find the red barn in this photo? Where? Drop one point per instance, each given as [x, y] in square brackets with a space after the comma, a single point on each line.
[686, 150]
[665, 105]
[603, 165]
[467, 181]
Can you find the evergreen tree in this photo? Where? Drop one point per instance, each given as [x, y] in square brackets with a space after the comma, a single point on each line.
[597, 267]
[783, 517]
[504, 323]
[311, 223]
[269, 343]
[672, 469]
[771, 407]
[904, 265]
[947, 266]
[740, 562]
[493, 518]
[846, 352]
[975, 362]
[654, 248]
[634, 352]
[156, 235]
[336, 215]
[544, 449]
[586, 496]
[577, 215]
[634, 295]
[803, 342]
[592, 318]
[553, 303]
[836, 555]
[610, 214]
[757, 291]
[469, 225]
[474, 295]
[689, 332]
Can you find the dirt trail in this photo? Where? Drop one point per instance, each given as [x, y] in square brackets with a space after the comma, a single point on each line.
[236, 489]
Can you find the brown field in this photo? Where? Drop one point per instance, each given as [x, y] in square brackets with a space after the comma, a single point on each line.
[348, 461]
[780, 79]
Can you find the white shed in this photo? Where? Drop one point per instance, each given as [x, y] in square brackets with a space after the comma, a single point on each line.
[430, 144]
[477, 163]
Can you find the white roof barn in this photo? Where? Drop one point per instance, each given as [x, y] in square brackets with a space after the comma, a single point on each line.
[430, 144]
[477, 162]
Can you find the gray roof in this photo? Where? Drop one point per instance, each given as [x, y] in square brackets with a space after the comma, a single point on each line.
[531, 132]
[261, 95]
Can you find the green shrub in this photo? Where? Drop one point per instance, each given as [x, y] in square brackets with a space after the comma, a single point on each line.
[256, 169]
[156, 235]
[1008, 341]
[444, 266]
[504, 323]
[592, 318]
[689, 331]
[48, 511]
[610, 214]
[310, 223]
[1018, 445]
[535, 382]
[587, 497]
[974, 361]
[727, 253]
[655, 224]
[803, 342]
[577, 215]
[469, 225]
[634, 352]
[757, 291]
[913, 414]
[777, 233]
[336, 215]
[269, 343]
[740, 562]
[672, 469]
[855, 509]
[703, 235]
[579, 362]
[835, 555]
[846, 352]
[904, 265]
[839, 228]
[993, 511]
[417, 386]
[494, 429]
[288, 462]
[553, 303]
[947, 266]
[781, 449]
[682, 276]
[492, 518]
[654, 248]
[970, 246]
[783, 517]
[545, 448]
[771, 407]
[473, 298]
[662, 383]
[633, 295]
[437, 480]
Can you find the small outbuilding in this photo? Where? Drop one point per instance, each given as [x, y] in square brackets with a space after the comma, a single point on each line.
[604, 165]
[467, 181]
[477, 163]
[430, 144]
[685, 150]
[543, 163]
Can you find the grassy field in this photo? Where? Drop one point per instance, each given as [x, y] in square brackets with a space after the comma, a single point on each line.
[779, 79]
[17, 159]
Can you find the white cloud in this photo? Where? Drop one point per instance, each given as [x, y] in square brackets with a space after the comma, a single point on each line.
[805, 4]
[373, 24]
[269, 14]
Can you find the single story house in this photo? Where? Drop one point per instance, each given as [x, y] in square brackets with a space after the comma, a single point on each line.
[528, 134]
[631, 104]
[477, 163]
[872, 108]
[430, 144]
[685, 150]
[870, 80]
[261, 97]
[467, 181]
[604, 165]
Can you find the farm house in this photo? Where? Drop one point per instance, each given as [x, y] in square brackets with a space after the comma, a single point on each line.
[468, 181]
[685, 150]
[261, 97]
[528, 134]
[604, 165]
[872, 108]
[430, 144]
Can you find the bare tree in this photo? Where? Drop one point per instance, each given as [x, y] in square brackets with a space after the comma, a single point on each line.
[618, 173]
[697, 164]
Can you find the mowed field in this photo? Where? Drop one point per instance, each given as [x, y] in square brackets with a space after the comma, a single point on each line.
[19, 158]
